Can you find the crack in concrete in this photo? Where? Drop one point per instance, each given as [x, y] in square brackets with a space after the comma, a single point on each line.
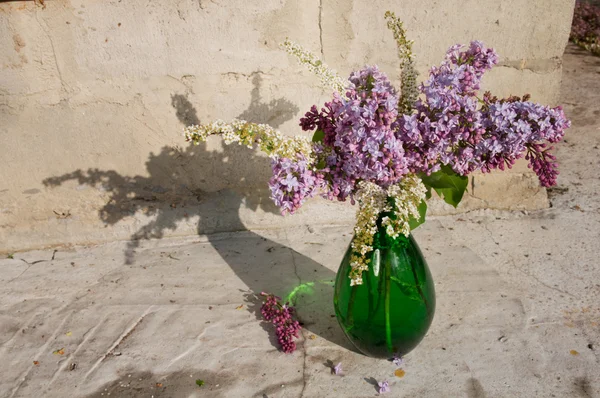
[321, 26]
[21, 274]
[119, 340]
[513, 263]
[67, 360]
[63, 84]
[23, 378]
[538, 66]
[29, 264]
[302, 329]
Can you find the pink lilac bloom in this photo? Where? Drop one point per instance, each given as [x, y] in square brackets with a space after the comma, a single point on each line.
[384, 386]
[286, 328]
[324, 121]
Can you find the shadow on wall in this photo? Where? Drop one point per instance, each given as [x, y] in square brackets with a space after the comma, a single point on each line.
[170, 196]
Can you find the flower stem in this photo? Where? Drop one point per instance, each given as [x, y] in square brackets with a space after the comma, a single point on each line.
[351, 301]
[418, 286]
[388, 327]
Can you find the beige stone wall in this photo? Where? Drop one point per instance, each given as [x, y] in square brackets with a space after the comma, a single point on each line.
[94, 94]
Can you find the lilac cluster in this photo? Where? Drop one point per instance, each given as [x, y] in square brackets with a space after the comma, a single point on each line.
[447, 120]
[585, 29]
[365, 143]
[286, 328]
[515, 127]
[449, 129]
[365, 139]
[359, 141]
[292, 182]
[323, 121]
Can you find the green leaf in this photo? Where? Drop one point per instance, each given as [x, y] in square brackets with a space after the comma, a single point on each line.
[321, 165]
[200, 383]
[428, 193]
[413, 222]
[449, 185]
[318, 136]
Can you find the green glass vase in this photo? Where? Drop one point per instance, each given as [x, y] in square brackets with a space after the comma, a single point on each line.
[390, 313]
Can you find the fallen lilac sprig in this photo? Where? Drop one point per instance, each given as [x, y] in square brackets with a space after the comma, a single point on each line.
[286, 327]
[384, 386]
[337, 369]
[397, 360]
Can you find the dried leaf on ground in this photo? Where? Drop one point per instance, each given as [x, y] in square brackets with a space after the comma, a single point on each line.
[399, 373]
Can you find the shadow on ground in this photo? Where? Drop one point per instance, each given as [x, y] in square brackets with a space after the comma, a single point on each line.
[212, 186]
[182, 384]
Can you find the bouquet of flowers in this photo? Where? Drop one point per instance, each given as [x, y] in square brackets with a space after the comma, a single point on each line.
[387, 149]
[585, 30]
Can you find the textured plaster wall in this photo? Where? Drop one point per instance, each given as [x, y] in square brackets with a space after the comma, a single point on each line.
[94, 94]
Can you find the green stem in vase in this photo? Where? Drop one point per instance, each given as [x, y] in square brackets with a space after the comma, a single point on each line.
[418, 286]
[371, 300]
[351, 307]
[388, 327]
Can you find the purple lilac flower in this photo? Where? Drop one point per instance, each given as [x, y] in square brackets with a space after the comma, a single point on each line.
[515, 128]
[397, 360]
[337, 369]
[448, 115]
[359, 142]
[366, 139]
[292, 182]
[286, 328]
[543, 163]
[324, 121]
[585, 29]
[384, 386]
[449, 129]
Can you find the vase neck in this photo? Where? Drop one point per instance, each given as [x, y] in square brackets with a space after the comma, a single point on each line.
[381, 239]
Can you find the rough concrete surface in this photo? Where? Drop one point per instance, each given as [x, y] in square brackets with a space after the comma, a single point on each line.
[94, 95]
[518, 298]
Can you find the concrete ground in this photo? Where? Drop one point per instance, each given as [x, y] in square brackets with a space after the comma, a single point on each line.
[518, 298]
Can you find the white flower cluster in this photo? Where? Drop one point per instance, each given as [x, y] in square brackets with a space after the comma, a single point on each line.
[371, 200]
[408, 87]
[408, 76]
[269, 140]
[406, 196]
[401, 200]
[329, 77]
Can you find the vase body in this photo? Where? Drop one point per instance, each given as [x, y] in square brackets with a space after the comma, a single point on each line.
[390, 313]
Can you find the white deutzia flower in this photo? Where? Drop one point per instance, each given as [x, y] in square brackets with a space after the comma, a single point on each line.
[373, 200]
[408, 76]
[329, 77]
[269, 140]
